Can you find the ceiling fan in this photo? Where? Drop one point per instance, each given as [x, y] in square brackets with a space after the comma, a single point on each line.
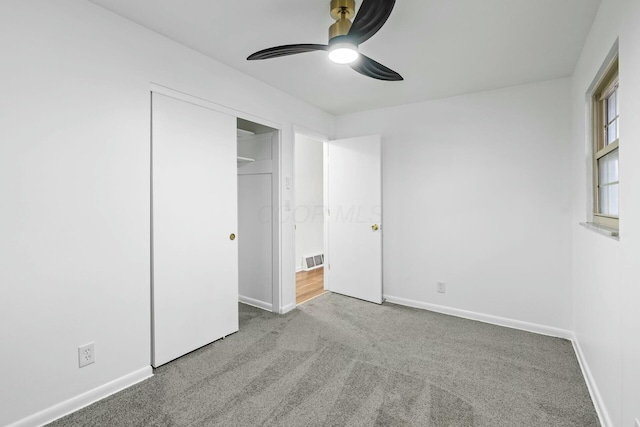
[345, 37]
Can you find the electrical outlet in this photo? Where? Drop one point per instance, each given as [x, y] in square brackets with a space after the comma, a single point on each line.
[442, 287]
[86, 354]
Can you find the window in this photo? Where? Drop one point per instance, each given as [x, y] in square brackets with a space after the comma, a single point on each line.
[606, 140]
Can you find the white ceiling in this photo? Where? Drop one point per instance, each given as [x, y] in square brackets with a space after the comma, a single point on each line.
[441, 47]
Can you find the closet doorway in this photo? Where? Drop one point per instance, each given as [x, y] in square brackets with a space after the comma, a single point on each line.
[309, 196]
[258, 225]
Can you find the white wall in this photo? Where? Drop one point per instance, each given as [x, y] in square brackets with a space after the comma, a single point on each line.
[476, 194]
[605, 271]
[256, 147]
[74, 186]
[465, 180]
[255, 244]
[630, 209]
[308, 184]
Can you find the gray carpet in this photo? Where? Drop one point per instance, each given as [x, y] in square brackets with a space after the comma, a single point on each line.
[338, 361]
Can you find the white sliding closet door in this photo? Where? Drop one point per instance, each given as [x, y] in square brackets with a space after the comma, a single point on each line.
[194, 198]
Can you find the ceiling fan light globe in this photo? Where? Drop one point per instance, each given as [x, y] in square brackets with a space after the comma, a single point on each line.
[343, 53]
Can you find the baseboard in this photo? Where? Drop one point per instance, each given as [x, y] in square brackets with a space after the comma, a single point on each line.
[598, 403]
[255, 303]
[287, 308]
[84, 399]
[486, 318]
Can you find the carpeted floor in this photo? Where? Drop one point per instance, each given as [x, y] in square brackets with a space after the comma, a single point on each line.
[339, 361]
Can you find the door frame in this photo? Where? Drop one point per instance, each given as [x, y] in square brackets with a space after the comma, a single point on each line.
[277, 300]
[299, 130]
[274, 174]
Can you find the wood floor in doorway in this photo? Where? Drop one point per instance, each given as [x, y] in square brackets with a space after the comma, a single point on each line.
[309, 284]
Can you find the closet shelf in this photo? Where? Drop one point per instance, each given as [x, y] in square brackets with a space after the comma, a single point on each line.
[244, 161]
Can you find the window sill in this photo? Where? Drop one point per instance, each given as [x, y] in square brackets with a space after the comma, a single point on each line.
[601, 229]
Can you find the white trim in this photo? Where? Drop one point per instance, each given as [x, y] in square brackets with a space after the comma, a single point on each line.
[325, 216]
[591, 179]
[486, 318]
[255, 303]
[287, 308]
[601, 229]
[598, 403]
[242, 132]
[183, 96]
[309, 133]
[85, 399]
[276, 230]
[257, 167]
[596, 397]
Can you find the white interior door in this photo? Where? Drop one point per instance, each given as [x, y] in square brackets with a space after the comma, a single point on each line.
[194, 199]
[354, 197]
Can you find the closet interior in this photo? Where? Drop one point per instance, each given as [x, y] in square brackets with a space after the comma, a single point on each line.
[257, 196]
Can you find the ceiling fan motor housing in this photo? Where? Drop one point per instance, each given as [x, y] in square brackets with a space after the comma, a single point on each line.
[342, 11]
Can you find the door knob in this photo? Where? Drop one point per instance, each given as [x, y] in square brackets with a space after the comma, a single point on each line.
[232, 236]
[375, 227]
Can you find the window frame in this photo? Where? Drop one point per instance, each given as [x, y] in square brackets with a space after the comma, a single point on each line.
[608, 84]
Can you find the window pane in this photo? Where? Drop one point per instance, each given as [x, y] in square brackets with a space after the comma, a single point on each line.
[608, 168]
[603, 200]
[608, 200]
[612, 132]
[603, 172]
[608, 184]
[613, 199]
[612, 106]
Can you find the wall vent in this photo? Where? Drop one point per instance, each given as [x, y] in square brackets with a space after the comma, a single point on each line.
[311, 262]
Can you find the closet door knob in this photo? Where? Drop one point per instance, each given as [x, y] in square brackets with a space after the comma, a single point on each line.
[375, 227]
[232, 236]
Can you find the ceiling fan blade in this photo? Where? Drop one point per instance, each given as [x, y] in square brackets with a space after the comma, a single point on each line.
[370, 18]
[370, 68]
[290, 49]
